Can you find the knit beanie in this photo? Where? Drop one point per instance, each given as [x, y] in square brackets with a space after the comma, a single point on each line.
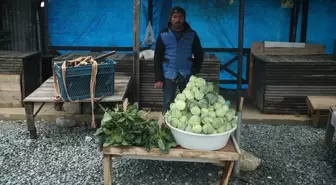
[177, 9]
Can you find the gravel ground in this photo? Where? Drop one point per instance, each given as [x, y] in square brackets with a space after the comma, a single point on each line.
[290, 155]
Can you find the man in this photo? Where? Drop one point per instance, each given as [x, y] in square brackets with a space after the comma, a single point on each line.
[175, 48]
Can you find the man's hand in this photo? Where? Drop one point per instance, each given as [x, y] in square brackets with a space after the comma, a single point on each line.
[158, 85]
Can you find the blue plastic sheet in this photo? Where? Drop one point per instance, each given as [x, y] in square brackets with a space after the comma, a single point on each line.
[110, 23]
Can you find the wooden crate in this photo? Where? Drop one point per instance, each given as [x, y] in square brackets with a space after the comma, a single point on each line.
[20, 75]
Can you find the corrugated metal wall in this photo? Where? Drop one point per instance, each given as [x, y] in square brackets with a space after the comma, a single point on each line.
[19, 18]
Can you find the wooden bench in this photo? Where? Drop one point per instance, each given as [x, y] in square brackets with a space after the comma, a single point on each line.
[45, 93]
[318, 105]
[227, 155]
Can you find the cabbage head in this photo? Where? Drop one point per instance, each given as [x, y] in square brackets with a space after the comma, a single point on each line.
[211, 97]
[174, 122]
[194, 90]
[220, 99]
[207, 128]
[200, 82]
[204, 89]
[197, 129]
[217, 123]
[190, 85]
[188, 128]
[181, 126]
[207, 119]
[183, 119]
[199, 95]
[218, 105]
[204, 111]
[203, 103]
[210, 86]
[224, 128]
[192, 78]
[181, 97]
[195, 110]
[180, 105]
[176, 113]
[188, 94]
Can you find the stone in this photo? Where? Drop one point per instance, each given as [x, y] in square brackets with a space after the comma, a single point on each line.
[65, 122]
[248, 162]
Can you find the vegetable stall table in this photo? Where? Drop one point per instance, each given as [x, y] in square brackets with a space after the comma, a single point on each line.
[227, 155]
[45, 93]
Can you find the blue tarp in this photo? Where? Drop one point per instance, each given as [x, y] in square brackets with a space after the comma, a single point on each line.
[110, 23]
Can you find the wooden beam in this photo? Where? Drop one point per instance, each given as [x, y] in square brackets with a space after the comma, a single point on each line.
[136, 49]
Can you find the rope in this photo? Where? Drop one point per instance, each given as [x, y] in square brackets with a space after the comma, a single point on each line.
[75, 63]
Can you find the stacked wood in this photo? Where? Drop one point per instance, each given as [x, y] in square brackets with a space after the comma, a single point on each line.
[282, 75]
[20, 75]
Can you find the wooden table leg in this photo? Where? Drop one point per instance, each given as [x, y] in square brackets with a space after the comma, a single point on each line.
[316, 118]
[107, 170]
[29, 108]
[330, 130]
[227, 170]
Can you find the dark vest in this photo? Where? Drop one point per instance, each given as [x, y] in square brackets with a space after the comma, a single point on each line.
[178, 53]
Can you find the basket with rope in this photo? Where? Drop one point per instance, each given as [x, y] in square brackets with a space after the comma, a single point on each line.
[83, 78]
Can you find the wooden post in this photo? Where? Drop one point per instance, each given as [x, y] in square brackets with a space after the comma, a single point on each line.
[29, 108]
[136, 50]
[107, 170]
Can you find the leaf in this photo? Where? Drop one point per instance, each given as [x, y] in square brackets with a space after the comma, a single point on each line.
[125, 104]
[117, 138]
[131, 118]
[172, 144]
[121, 120]
[138, 140]
[166, 151]
[160, 121]
[108, 142]
[107, 131]
[98, 132]
[161, 144]
[148, 146]
[125, 143]
[168, 138]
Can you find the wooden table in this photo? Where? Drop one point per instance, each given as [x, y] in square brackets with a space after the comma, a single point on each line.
[227, 155]
[330, 129]
[45, 93]
[317, 105]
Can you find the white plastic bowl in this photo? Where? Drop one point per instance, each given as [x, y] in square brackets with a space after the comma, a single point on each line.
[201, 141]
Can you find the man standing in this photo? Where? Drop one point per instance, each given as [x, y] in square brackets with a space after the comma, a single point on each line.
[178, 55]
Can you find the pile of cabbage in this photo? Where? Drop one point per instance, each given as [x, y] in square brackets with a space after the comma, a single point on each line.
[199, 109]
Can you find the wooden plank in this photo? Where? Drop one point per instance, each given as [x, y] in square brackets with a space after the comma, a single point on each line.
[10, 99]
[16, 54]
[107, 170]
[269, 44]
[46, 91]
[227, 153]
[10, 82]
[322, 102]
